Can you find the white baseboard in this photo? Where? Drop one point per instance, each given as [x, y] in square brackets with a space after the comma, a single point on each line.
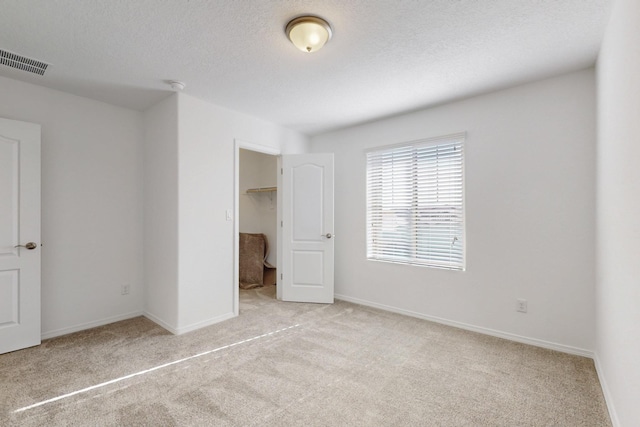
[155, 319]
[189, 328]
[204, 323]
[492, 332]
[89, 325]
[615, 421]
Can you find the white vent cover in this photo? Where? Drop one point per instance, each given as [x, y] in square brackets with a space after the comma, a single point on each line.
[22, 63]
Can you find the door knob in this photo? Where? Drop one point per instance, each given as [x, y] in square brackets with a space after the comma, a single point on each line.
[30, 246]
[328, 235]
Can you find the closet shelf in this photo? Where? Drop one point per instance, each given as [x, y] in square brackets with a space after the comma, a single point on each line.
[262, 190]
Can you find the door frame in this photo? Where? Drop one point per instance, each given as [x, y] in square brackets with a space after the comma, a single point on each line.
[264, 149]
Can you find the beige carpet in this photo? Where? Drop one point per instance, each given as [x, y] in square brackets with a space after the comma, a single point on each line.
[288, 364]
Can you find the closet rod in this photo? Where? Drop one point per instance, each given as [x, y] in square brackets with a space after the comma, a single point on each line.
[262, 190]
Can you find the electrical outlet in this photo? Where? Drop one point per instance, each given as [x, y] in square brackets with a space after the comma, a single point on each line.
[126, 288]
[521, 305]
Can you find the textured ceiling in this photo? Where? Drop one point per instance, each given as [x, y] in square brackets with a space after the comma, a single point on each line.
[386, 57]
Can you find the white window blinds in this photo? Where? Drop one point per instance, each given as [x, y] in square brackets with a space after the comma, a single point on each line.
[415, 203]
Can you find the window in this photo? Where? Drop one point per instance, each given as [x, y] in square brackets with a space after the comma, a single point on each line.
[415, 203]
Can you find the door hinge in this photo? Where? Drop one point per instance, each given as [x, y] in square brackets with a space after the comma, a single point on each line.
[281, 225]
[281, 171]
[280, 276]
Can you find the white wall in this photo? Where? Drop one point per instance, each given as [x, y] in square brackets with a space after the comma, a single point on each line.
[161, 212]
[128, 196]
[618, 214]
[206, 150]
[91, 205]
[530, 214]
[258, 213]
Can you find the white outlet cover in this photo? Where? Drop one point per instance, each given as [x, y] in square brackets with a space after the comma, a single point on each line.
[521, 305]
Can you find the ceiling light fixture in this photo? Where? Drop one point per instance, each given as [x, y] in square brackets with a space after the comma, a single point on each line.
[308, 33]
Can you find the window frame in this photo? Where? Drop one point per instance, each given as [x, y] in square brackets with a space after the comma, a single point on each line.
[412, 242]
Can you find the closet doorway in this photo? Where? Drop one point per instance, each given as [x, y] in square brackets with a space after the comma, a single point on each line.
[256, 221]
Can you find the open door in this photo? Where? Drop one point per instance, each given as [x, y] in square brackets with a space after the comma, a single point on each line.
[306, 268]
[19, 235]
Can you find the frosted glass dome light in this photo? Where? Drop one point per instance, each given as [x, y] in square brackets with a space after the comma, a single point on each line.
[308, 33]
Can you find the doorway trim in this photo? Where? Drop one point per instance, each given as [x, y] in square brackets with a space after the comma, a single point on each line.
[265, 149]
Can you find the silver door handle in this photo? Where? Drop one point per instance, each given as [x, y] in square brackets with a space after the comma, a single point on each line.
[30, 246]
[328, 235]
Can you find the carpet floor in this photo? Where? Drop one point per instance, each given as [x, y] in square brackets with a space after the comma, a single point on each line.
[292, 364]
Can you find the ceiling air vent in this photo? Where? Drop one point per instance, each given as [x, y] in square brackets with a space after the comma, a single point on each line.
[22, 63]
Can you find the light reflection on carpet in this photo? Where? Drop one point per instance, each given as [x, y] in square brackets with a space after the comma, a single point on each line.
[146, 371]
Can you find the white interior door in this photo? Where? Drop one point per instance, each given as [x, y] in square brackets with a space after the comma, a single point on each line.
[307, 228]
[19, 235]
